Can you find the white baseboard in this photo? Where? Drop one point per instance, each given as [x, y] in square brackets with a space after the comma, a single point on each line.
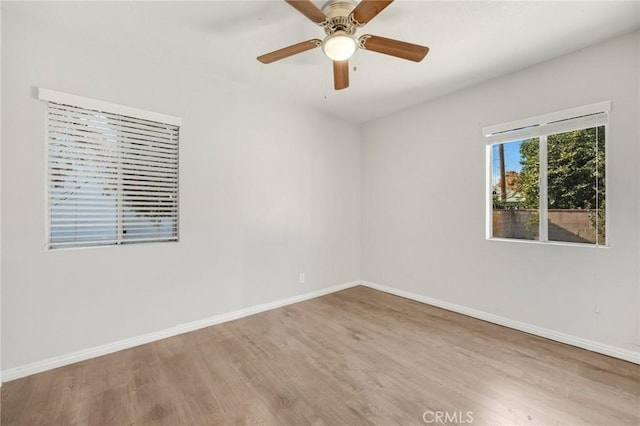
[591, 345]
[60, 361]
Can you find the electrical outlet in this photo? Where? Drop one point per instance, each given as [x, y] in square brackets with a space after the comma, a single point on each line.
[301, 280]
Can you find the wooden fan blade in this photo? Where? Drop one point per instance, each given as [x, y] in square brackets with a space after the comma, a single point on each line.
[399, 49]
[308, 9]
[366, 10]
[289, 51]
[340, 74]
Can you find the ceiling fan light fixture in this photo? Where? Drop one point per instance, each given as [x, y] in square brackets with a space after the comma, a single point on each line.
[339, 46]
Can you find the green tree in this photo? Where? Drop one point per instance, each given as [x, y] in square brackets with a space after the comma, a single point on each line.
[530, 174]
[575, 172]
[576, 169]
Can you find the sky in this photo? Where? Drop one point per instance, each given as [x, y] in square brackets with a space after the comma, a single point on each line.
[511, 159]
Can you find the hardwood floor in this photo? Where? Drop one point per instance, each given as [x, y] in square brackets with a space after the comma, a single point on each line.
[354, 357]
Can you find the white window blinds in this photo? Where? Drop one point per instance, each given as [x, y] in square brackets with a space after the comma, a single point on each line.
[112, 179]
[585, 117]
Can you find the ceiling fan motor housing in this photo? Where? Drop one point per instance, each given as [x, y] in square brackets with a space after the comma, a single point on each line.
[337, 12]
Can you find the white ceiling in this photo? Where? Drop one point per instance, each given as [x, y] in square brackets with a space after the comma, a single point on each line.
[470, 41]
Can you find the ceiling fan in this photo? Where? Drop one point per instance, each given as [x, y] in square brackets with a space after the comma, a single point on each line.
[340, 20]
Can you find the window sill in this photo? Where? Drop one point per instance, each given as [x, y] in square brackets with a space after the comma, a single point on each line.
[549, 243]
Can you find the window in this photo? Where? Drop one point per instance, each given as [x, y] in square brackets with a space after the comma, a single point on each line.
[547, 177]
[112, 173]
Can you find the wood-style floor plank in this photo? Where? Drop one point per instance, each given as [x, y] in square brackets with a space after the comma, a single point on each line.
[354, 357]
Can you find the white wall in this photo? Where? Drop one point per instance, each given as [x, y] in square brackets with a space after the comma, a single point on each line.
[423, 202]
[0, 194]
[265, 194]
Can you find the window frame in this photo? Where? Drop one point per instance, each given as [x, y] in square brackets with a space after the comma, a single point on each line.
[110, 108]
[537, 124]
